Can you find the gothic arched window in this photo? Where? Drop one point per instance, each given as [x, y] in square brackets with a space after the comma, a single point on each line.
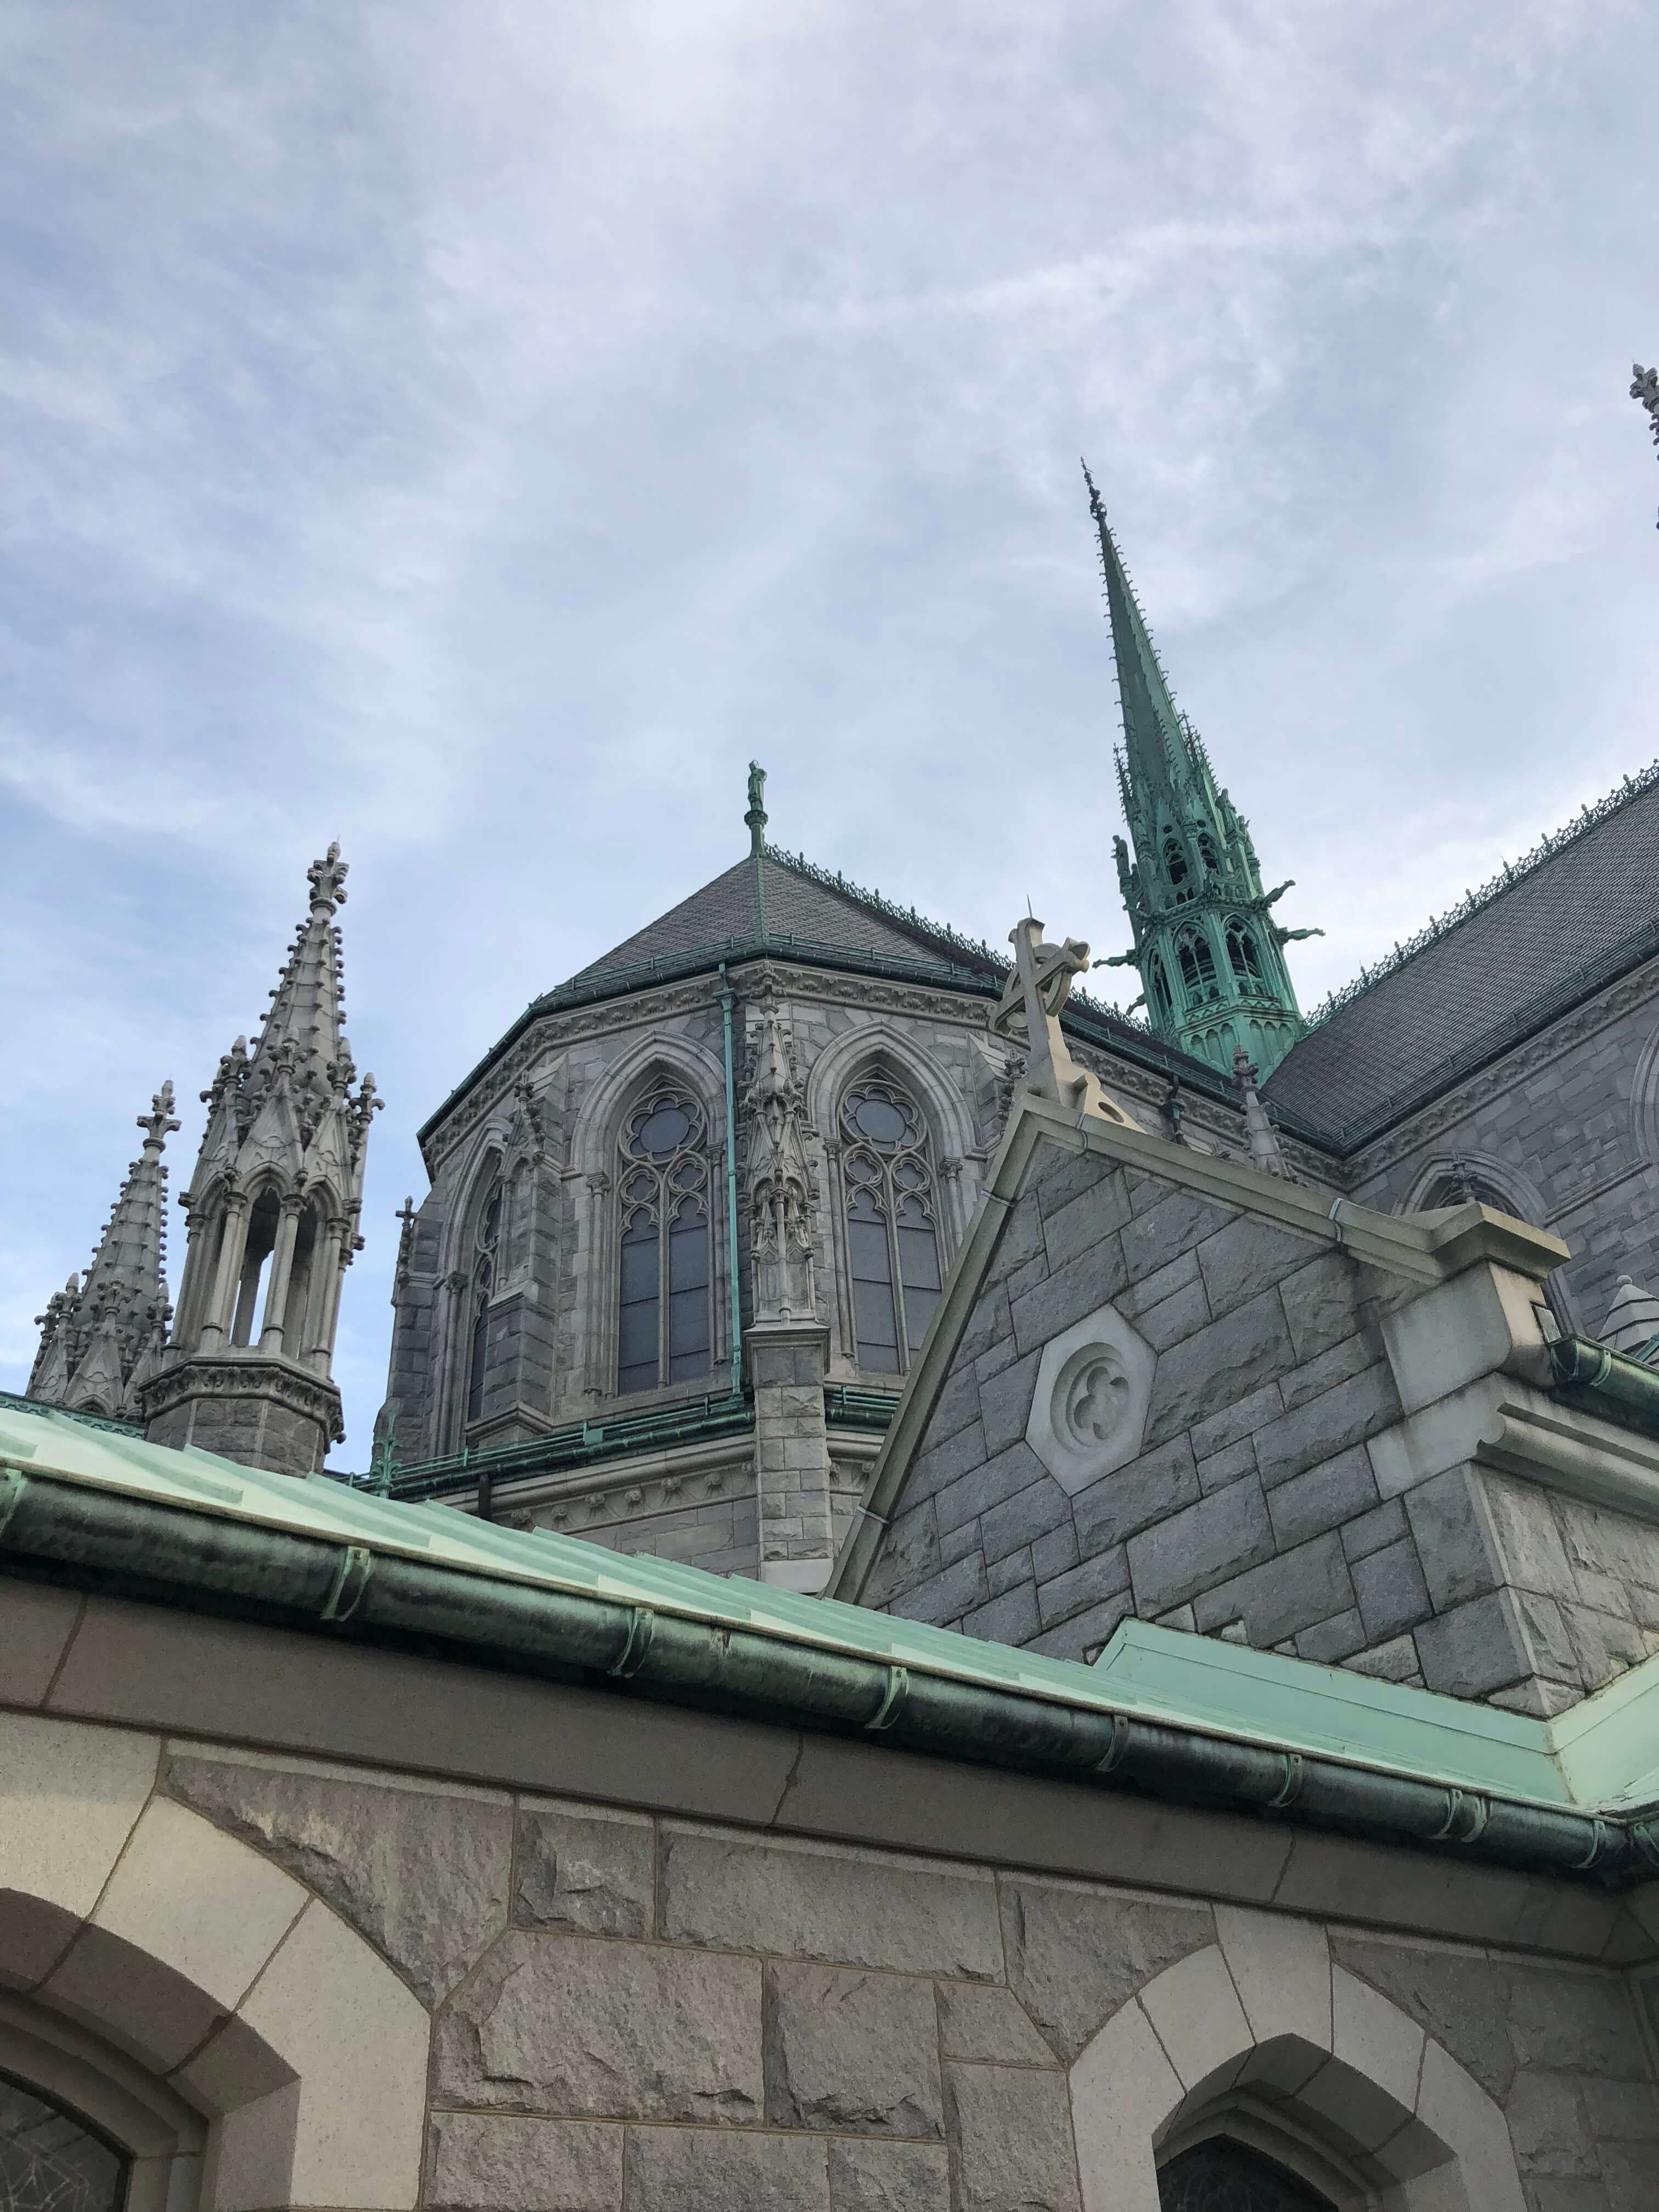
[1174, 867]
[664, 1329]
[1242, 954]
[50, 2161]
[1157, 984]
[486, 1240]
[1197, 965]
[1218, 2176]
[892, 1233]
[1208, 853]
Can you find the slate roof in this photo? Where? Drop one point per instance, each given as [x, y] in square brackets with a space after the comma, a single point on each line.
[1582, 911]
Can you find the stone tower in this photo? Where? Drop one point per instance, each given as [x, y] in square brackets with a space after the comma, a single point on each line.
[1210, 955]
[272, 1210]
[102, 1340]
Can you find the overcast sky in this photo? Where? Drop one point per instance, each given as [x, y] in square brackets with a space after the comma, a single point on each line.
[472, 432]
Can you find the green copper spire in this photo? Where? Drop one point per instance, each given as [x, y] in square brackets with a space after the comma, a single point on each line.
[1211, 957]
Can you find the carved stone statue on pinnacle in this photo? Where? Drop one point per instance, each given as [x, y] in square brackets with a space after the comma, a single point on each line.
[1037, 988]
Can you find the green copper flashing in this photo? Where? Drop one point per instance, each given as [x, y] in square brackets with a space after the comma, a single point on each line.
[1171, 1715]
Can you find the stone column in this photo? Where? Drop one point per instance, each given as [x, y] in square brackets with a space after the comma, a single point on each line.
[325, 1290]
[282, 1270]
[228, 1274]
[787, 1361]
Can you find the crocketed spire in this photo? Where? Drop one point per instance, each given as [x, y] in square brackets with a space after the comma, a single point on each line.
[101, 1340]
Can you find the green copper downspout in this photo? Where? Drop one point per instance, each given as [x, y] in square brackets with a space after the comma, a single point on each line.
[732, 1187]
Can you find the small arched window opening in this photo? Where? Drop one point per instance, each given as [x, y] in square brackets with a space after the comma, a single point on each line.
[50, 2161]
[1197, 967]
[1242, 955]
[1208, 854]
[1175, 868]
[261, 1225]
[892, 1229]
[486, 1244]
[1158, 986]
[664, 1329]
[1219, 2176]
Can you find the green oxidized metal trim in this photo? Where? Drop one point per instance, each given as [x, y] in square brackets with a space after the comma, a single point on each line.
[581, 1443]
[1601, 1381]
[103, 1540]
[14, 1404]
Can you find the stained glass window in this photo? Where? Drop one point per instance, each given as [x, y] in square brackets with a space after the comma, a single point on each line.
[664, 1331]
[892, 1229]
[50, 2161]
[1217, 2176]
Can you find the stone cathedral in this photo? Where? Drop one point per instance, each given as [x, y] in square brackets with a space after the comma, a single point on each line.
[963, 1601]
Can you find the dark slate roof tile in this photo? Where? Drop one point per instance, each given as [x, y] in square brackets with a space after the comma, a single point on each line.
[1555, 932]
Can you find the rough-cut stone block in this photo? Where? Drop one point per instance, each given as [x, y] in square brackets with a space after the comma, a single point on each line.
[1224, 1466]
[698, 2170]
[1247, 1257]
[1606, 1645]
[421, 1870]
[1349, 1358]
[1105, 1575]
[1083, 1223]
[1176, 1318]
[989, 2025]
[1033, 1513]
[1075, 1955]
[909, 1554]
[1580, 2022]
[1373, 1531]
[1011, 1619]
[576, 2024]
[1051, 1555]
[1090, 1281]
[1207, 1543]
[1149, 1489]
[1219, 1365]
[1322, 1497]
[1474, 1648]
[1015, 1567]
[1083, 1634]
[881, 2177]
[1167, 1222]
[1326, 1424]
[851, 2052]
[991, 1484]
[939, 1464]
[856, 1908]
[1161, 1284]
[1013, 2133]
[1390, 1589]
[1322, 1303]
[493, 2164]
[944, 1596]
[1453, 1534]
[1296, 1590]
[1236, 1421]
[592, 1871]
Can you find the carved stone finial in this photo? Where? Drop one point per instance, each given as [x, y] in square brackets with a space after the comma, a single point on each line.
[1037, 988]
[1260, 1135]
[755, 818]
[327, 879]
[159, 1124]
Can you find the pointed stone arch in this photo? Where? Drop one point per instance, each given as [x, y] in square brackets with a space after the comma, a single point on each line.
[196, 1978]
[1260, 2036]
[594, 1136]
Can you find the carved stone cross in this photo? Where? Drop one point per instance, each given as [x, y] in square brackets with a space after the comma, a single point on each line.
[1037, 988]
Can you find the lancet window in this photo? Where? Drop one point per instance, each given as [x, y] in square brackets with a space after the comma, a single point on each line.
[1208, 853]
[892, 1223]
[1242, 953]
[665, 1330]
[487, 1238]
[1197, 965]
[1157, 984]
[1218, 2176]
[50, 2161]
[1174, 867]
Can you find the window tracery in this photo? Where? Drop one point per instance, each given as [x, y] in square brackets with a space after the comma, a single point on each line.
[1158, 984]
[892, 1223]
[1219, 2176]
[50, 2161]
[1242, 953]
[1208, 853]
[665, 1276]
[1197, 966]
[1174, 867]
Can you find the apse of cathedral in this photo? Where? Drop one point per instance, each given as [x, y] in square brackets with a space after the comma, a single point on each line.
[689, 1218]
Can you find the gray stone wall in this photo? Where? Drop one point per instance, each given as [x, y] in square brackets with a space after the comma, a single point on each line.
[1567, 1127]
[635, 2013]
[1269, 1501]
